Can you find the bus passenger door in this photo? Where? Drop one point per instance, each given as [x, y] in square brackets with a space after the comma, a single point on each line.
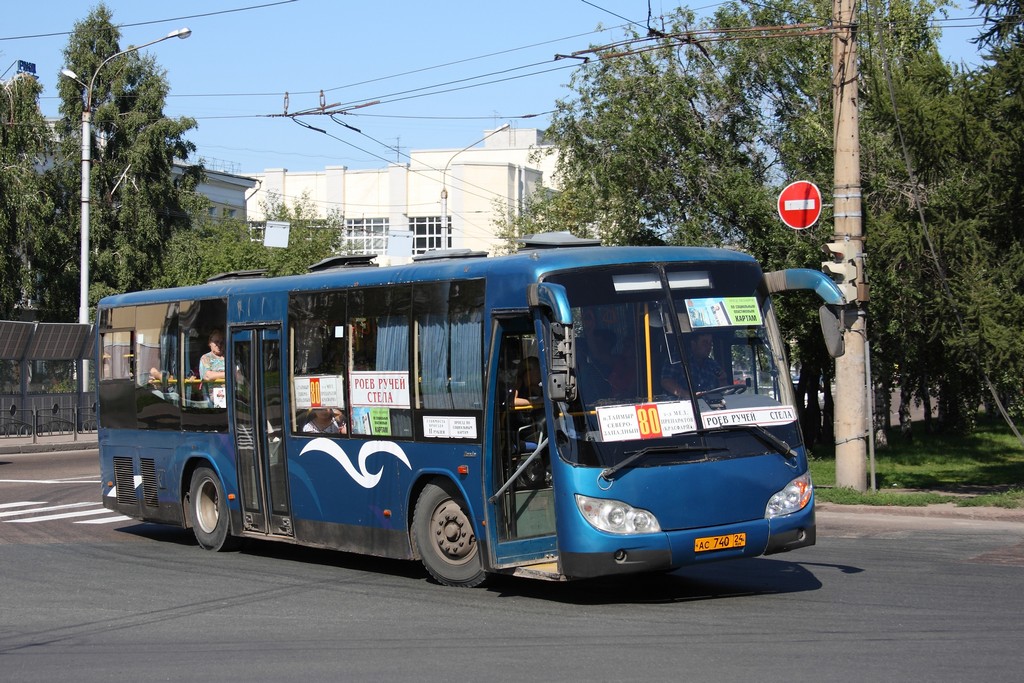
[522, 529]
[258, 422]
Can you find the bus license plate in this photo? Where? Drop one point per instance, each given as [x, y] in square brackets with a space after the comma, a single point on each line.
[708, 543]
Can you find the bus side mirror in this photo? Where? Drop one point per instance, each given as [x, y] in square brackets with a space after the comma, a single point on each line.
[553, 299]
[561, 381]
[832, 326]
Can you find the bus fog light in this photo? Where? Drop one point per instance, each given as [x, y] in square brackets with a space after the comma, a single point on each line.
[793, 498]
[616, 517]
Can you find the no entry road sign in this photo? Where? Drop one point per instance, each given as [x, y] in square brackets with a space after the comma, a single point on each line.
[800, 204]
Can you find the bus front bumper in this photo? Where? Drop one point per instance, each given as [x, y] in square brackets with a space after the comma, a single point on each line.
[608, 554]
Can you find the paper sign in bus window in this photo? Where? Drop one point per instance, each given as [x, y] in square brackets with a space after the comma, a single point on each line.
[723, 311]
[371, 421]
[449, 427]
[764, 416]
[315, 391]
[646, 421]
[378, 389]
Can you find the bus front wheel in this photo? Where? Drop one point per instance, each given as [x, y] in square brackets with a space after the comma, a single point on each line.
[208, 510]
[443, 536]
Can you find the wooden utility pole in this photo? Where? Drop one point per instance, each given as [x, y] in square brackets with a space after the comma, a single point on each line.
[851, 419]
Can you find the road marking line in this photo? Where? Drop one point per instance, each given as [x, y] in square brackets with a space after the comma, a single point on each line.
[46, 509]
[49, 481]
[22, 503]
[65, 515]
[105, 520]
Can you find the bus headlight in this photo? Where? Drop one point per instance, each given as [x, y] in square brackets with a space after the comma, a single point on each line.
[616, 517]
[791, 499]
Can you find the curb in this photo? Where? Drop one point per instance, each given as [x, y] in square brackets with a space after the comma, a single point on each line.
[48, 447]
[940, 510]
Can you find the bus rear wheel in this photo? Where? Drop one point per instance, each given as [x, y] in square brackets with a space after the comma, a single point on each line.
[443, 537]
[208, 512]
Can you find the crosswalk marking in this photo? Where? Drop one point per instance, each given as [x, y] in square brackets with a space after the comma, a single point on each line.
[21, 504]
[105, 520]
[25, 513]
[51, 508]
[64, 515]
[50, 481]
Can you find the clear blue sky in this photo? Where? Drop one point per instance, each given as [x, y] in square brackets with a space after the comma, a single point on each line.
[493, 61]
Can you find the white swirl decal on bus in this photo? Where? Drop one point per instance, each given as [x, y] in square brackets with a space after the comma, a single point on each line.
[365, 479]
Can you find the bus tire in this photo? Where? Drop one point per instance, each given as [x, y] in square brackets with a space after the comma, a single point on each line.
[208, 512]
[444, 538]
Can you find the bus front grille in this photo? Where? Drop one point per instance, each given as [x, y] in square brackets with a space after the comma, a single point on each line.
[147, 468]
[124, 479]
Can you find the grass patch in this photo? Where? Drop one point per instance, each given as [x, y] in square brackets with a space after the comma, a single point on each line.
[845, 496]
[1013, 498]
[985, 467]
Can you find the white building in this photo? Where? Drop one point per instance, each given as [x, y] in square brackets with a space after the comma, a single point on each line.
[226, 192]
[440, 199]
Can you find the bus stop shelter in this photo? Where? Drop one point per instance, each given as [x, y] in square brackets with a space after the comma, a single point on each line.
[42, 366]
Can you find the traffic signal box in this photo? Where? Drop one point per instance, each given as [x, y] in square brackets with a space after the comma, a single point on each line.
[843, 267]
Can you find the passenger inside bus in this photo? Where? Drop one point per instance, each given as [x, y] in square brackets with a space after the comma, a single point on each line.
[325, 421]
[704, 370]
[211, 371]
[528, 389]
[606, 373]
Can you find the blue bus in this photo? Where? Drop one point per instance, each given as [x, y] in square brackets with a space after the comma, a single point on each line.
[568, 411]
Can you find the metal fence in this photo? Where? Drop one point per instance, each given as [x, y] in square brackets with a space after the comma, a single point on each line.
[54, 421]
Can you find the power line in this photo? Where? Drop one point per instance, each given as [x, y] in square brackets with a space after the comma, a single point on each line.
[158, 21]
[406, 73]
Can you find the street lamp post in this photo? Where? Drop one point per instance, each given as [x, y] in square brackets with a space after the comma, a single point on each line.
[83, 278]
[444, 173]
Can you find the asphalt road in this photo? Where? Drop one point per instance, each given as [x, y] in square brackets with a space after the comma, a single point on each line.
[881, 597]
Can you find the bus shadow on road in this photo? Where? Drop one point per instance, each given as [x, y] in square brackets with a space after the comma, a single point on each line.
[282, 552]
[728, 579]
[162, 533]
[715, 581]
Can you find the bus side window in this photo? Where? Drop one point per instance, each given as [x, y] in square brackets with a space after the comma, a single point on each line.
[449, 345]
[202, 408]
[380, 386]
[317, 348]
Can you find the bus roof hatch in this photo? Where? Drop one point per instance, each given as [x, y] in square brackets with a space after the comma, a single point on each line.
[555, 240]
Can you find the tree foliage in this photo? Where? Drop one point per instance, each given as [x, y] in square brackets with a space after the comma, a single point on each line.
[211, 247]
[25, 203]
[138, 201]
[664, 141]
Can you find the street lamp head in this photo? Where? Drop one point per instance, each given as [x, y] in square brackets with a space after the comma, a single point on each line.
[182, 33]
[72, 75]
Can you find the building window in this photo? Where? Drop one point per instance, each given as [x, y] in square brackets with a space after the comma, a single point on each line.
[430, 233]
[367, 235]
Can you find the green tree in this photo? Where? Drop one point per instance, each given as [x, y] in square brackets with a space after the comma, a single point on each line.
[213, 247]
[24, 202]
[998, 101]
[1003, 25]
[665, 141]
[138, 201]
[655, 147]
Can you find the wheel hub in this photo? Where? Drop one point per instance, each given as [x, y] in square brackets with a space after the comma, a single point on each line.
[207, 512]
[453, 532]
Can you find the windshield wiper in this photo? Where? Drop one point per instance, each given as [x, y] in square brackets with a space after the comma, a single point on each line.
[608, 472]
[764, 436]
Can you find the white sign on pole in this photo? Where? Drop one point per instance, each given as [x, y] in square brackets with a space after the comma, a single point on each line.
[276, 234]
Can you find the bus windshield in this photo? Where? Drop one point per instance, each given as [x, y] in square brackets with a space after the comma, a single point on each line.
[674, 364]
